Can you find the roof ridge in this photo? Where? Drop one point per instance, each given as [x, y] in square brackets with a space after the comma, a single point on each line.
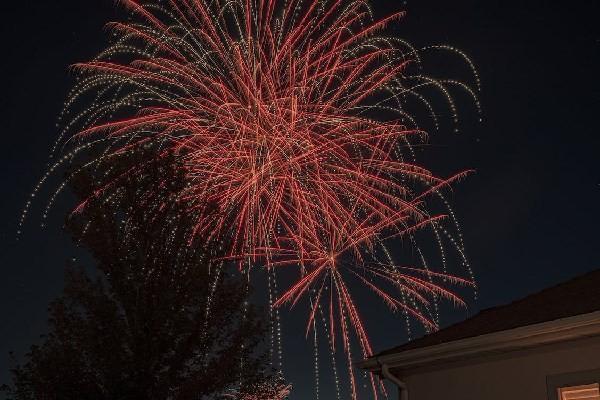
[537, 293]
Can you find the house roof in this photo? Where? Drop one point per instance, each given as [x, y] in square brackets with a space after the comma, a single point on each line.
[580, 295]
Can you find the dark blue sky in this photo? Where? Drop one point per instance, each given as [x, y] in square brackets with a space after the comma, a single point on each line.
[530, 213]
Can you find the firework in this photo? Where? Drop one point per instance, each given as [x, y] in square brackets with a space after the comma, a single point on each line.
[289, 121]
[273, 389]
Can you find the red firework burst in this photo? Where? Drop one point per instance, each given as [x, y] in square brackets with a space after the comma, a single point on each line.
[290, 122]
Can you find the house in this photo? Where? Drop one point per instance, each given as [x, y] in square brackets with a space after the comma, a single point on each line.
[543, 347]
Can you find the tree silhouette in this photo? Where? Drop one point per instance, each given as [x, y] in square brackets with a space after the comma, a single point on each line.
[158, 318]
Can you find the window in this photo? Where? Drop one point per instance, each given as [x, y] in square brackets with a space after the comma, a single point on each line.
[581, 392]
[576, 385]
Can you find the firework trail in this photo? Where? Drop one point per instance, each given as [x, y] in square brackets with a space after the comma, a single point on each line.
[289, 119]
[270, 390]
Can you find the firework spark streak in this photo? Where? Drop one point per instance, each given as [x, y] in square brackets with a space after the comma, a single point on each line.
[270, 107]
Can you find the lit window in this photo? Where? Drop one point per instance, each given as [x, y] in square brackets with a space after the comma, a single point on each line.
[582, 392]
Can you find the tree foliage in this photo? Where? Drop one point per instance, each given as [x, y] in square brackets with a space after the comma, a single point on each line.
[160, 318]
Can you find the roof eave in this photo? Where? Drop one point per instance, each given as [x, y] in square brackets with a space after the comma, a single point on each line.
[559, 330]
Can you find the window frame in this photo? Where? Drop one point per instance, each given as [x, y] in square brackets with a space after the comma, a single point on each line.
[569, 389]
[555, 382]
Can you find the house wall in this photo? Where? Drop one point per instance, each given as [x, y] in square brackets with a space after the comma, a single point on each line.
[510, 376]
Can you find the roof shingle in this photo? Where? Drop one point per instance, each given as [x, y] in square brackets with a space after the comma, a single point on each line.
[580, 295]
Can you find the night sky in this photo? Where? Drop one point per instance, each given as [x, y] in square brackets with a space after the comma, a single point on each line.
[530, 214]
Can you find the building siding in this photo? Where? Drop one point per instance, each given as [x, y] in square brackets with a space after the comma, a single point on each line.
[516, 375]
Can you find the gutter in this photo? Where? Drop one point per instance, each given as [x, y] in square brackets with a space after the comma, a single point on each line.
[402, 388]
